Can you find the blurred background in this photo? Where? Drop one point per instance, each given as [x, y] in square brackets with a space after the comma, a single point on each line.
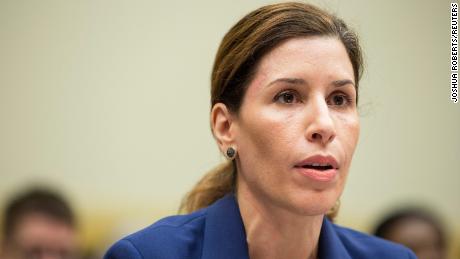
[108, 101]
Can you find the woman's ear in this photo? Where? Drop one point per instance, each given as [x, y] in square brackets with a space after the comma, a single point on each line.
[223, 125]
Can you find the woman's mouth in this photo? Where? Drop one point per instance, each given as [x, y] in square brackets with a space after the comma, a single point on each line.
[318, 168]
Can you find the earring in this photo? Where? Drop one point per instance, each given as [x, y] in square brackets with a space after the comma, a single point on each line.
[231, 152]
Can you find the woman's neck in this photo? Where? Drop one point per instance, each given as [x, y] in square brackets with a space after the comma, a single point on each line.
[275, 233]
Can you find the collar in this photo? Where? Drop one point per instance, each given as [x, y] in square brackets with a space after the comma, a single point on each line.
[329, 244]
[224, 234]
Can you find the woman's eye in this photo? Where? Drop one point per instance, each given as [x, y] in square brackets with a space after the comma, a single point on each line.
[340, 100]
[286, 97]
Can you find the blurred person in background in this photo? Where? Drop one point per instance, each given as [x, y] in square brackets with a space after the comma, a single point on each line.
[417, 229]
[38, 224]
[284, 93]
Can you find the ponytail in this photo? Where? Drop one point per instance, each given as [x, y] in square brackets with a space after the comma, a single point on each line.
[213, 186]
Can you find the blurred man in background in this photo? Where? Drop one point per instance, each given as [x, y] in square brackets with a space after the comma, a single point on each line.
[38, 224]
[417, 229]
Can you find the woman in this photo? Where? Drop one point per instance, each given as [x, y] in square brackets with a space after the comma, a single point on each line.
[284, 96]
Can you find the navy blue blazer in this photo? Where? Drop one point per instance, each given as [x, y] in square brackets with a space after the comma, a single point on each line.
[217, 232]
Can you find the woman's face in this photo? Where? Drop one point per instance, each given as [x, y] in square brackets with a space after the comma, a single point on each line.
[298, 126]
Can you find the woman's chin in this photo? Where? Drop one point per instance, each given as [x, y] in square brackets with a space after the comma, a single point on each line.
[313, 204]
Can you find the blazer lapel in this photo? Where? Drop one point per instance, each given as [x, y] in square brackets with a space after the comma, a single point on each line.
[224, 234]
[330, 246]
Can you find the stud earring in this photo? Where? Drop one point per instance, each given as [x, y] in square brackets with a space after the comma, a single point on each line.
[231, 152]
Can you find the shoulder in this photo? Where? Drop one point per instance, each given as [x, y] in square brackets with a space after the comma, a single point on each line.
[361, 245]
[171, 237]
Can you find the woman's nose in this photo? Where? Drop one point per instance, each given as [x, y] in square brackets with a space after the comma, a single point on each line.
[321, 128]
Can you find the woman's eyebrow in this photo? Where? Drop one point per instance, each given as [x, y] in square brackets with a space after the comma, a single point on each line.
[289, 80]
[300, 81]
[342, 82]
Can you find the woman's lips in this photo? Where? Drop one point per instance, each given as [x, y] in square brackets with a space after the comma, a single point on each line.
[318, 175]
[319, 168]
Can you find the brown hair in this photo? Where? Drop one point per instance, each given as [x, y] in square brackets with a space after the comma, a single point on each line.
[236, 61]
[38, 200]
